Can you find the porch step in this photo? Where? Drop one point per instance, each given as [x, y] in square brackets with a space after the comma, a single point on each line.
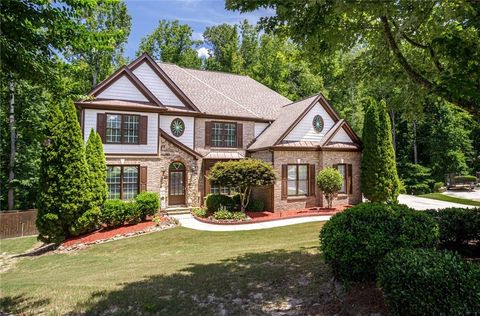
[177, 210]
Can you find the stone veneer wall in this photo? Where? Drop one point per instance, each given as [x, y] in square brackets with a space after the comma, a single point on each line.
[157, 170]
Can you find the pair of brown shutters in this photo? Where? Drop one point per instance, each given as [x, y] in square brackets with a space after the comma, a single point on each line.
[142, 127]
[348, 176]
[208, 134]
[311, 181]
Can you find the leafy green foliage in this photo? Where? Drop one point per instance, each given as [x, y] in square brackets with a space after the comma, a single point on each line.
[171, 42]
[417, 178]
[148, 203]
[113, 213]
[256, 205]
[243, 175]
[330, 181]
[224, 214]
[379, 179]
[458, 226]
[465, 179]
[97, 169]
[213, 202]
[429, 282]
[437, 186]
[64, 181]
[200, 212]
[87, 222]
[356, 240]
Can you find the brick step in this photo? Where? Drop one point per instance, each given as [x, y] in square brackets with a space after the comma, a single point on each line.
[178, 210]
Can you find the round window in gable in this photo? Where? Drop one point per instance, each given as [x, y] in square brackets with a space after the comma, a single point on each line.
[318, 123]
[177, 127]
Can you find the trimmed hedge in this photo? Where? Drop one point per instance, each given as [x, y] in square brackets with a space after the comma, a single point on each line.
[458, 226]
[256, 205]
[148, 203]
[227, 215]
[429, 282]
[214, 201]
[116, 213]
[356, 240]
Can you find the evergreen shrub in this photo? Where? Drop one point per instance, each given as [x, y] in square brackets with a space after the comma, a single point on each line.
[214, 201]
[148, 203]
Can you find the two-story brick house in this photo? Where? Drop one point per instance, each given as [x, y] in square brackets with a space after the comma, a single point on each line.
[164, 126]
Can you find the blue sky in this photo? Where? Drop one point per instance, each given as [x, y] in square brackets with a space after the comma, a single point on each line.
[199, 14]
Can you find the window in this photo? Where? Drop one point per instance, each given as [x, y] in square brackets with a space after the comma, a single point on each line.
[346, 172]
[224, 134]
[122, 129]
[216, 189]
[122, 182]
[297, 180]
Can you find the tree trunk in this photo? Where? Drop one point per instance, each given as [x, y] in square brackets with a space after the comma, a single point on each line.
[13, 140]
[415, 153]
[394, 132]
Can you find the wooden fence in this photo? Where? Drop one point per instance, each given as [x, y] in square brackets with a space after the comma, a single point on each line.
[18, 223]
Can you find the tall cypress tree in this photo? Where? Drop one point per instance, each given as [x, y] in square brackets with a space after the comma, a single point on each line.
[97, 168]
[64, 186]
[380, 182]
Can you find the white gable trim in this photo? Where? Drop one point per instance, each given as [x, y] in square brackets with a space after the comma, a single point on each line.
[122, 89]
[304, 131]
[156, 85]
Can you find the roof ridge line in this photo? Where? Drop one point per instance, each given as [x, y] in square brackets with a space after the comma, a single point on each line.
[302, 99]
[226, 96]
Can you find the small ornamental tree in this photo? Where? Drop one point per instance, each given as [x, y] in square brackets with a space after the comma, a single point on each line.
[330, 181]
[244, 175]
[64, 182]
[380, 182]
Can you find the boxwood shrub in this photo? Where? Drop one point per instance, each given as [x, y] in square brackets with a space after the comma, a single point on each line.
[112, 214]
[214, 201]
[148, 203]
[255, 205]
[356, 240]
[429, 282]
[458, 226]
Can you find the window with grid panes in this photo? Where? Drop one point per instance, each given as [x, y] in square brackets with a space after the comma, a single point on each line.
[122, 129]
[297, 179]
[224, 134]
[122, 182]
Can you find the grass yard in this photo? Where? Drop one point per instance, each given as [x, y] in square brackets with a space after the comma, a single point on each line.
[17, 245]
[176, 272]
[447, 198]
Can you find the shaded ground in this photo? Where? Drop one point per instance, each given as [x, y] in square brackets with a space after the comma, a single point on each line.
[184, 272]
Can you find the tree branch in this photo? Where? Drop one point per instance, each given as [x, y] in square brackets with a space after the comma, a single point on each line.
[423, 46]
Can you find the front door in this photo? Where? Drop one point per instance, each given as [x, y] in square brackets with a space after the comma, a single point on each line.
[176, 184]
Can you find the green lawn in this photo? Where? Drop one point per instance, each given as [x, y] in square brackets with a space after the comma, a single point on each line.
[447, 198]
[17, 245]
[174, 272]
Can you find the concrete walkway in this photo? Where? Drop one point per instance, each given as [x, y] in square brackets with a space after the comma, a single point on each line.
[469, 195]
[420, 203]
[187, 220]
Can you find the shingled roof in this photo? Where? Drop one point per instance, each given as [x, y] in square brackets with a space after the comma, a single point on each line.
[226, 94]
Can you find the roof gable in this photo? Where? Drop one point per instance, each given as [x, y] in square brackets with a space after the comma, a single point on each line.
[123, 85]
[342, 137]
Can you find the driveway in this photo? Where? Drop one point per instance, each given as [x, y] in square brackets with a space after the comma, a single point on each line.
[420, 203]
[464, 194]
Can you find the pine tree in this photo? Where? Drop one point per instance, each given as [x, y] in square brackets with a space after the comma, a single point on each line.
[380, 182]
[64, 186]
[97, 168]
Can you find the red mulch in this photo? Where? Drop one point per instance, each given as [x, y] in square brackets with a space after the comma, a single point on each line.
[107, 233]
[268, 216]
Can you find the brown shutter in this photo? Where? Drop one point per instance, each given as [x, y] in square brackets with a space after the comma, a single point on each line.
[208, 134]
[142, 130]
[101, 124]
[349, 179]
[143, 178]
[312, 178]
[239, 135]
[284, 182]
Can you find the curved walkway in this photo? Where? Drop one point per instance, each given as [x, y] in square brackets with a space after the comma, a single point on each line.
[187, 220]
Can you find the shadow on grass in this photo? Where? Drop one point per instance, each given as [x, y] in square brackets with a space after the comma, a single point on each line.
[19, 304]
[296, 282]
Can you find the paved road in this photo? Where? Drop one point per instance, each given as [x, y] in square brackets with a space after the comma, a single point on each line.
[470, 195]
[419, 203]
[189, 221]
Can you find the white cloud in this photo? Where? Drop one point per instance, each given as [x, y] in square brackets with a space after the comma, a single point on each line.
[203, 52]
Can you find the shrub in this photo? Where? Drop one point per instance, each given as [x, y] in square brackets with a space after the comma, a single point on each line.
[200, 212]
[465, 179]
[458, 226]
[429, 282]
[87, 222]
[330, 181]
[97, 166]
[417, 178]
[223, 214]
[113, 213]
[148, 203]
[256, 205]
[244, 175]
[214, 201]
[437, 187]
[354, 241]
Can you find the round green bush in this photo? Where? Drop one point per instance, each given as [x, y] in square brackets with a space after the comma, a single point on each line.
[131, 212]
[200, 212]
[437, 187]
[112, 214]
[214, 201]
[148, 203]
[429, 282]
[223, 214]
[354, 241]
[256, 205]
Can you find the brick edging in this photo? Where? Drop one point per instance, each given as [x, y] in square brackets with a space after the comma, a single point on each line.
[253, 221]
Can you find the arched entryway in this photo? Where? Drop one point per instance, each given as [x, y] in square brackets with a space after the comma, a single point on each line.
[176, 183]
